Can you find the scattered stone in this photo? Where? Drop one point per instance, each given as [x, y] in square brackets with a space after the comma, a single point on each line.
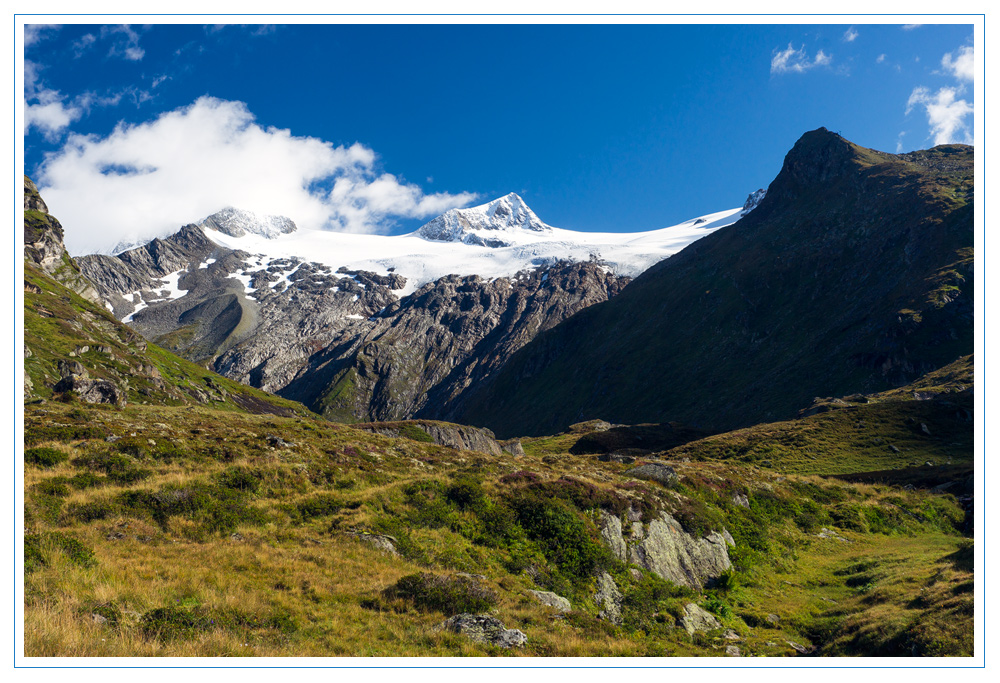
[801, 649]
[730, 634]
[741, 500]
[696, 619]
[654, 471]
[512, 446]
[830, 533]
[929, 464]
[894, 449]
[773, 619]
[551, 599]
[111, 439]
[71, 368]
[608, 599]
[732, 651]
[623, 458]
[482, 628]
[925, 429]
[278, 442]
[98, 619]
[92, 391]
[381, 542]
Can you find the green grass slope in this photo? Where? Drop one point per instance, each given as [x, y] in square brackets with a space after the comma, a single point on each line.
[200, 532]
[853, 275]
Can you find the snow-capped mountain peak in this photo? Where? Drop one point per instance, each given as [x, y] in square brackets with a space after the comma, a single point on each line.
[480, 225]
[753, 200]
[238, 222]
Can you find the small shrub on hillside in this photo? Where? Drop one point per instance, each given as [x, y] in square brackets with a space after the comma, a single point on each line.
[321, 505]
[44, 457]
[54, 486]
[415, 433]
[240, 479]
[449, 594]
[120, 469]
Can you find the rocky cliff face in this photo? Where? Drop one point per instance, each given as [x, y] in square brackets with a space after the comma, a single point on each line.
[853, 274]
[43, 245]
[419, 355]
[343, 342]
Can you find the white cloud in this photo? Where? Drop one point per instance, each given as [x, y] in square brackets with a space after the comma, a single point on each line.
[34, 33]
[962, 67]
[148, 180]
[83, 43]
[946, 115]
[910, 27]
[125, 42]
[797, 60]
[880, 58]
[850, 35]
[45, 109]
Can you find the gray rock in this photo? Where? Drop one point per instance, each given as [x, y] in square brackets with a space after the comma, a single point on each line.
[513, 446]
[92, 391]
[925, 429]
[696, 619]
[608, 599]
[551, 599]
[381, 542]
[733, 651]
[741, 500]
[485, 629]
[730, 634]
[801, 649]
[623, 458]
[665, 549]
[654, 471]
[773, 619]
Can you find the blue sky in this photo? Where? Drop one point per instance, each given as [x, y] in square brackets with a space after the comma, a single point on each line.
[138, 129]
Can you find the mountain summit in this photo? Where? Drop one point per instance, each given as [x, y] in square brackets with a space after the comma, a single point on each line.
[238, 222]
[504, 215]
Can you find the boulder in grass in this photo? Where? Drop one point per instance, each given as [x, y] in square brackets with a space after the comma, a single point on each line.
[484, 629]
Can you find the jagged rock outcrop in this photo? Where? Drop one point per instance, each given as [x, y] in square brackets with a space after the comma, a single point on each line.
[696, 619]
[608, 598]
[549, 598]
[665, 549]
[454, 436]
[43, 245]
[484, 629]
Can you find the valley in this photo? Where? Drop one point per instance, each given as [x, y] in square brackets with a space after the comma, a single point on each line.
[751, 434]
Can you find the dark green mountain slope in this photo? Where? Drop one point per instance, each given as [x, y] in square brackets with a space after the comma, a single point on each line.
[855, 273]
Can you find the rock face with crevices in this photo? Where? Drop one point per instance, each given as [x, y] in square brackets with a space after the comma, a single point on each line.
[485, 629]
[665, 549]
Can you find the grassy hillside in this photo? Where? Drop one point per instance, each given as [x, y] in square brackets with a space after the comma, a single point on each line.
[190, 531]
[62, 327]
[854, 274]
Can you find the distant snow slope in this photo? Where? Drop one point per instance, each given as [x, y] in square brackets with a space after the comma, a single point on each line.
[493, 240]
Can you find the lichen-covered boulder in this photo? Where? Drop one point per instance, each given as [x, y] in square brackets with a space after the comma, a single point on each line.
[552, 600]
[696, 619]
[485, 629]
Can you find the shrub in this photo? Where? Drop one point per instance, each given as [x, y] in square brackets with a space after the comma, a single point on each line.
[44, 457]
[120, 469]
[449, 594]
[320, 505]
[240, 479]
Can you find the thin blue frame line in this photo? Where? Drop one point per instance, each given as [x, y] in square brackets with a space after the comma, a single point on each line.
[983, 666]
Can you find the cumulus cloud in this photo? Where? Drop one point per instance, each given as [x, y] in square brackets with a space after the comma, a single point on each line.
[880, 58]
[910, 27]
[946, 114]
[46, 110]
[148, 180]
[850, 35]
[797, 61]
[963, 66]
